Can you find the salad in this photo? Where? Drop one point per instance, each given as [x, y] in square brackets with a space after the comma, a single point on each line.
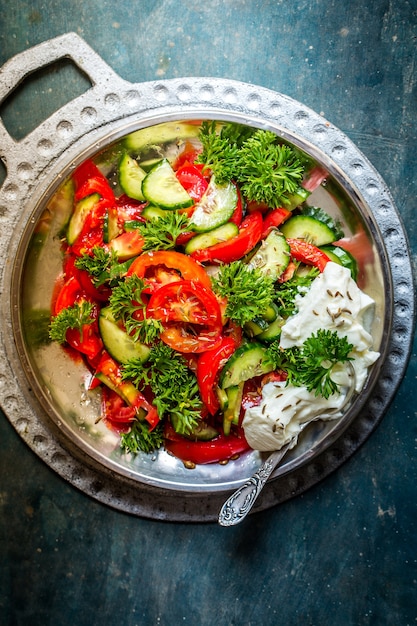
[183, 271]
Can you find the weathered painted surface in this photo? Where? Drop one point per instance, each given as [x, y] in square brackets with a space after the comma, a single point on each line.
[344, 552]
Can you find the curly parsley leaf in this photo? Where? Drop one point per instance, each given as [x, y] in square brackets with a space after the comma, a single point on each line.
[287, 291]
[311, 364]
[248, 291]
[141, 439]
[268, 172]
[219, 154]
[72, 317]
[173, 384]
[103, 266]
[162, 233]
[126, 304]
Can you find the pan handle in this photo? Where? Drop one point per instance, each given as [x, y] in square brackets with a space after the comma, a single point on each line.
[70, 46]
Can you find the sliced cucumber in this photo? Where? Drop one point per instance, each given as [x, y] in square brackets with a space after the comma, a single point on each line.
[162, 187]
[273, 256]
[232, 413]
[259, 325]
[205, 240]
[152, 212]
[110, 225]
[160, 134]
[131, 176]
[82, 209]
[309, 229]
[297, 198]
[215, 208]
[201, 432]
[248, 361]
[342, 257]
[117, 342]
[273, 331]
[321, 215]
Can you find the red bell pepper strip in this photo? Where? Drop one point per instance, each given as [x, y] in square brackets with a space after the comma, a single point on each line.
[222, 448]
[308, 253]
[238, 212]
[209, 364]
[274, 219]
[250, 233]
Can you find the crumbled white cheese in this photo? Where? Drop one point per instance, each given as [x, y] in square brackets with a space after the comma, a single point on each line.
[334, 302]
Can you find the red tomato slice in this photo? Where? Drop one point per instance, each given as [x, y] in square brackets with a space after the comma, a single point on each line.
[88, 180]
[209, 365]
[185, 301]
[116, 411]
[308, 253]
[183, 338]
[187, 268]
[249, 235]
[192, 179]
[222, 448]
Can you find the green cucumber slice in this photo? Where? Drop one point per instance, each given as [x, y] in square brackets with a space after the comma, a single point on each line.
[232, 413]
[117, 342]
[162, 187]
[205, 240]
[309, 229]
[342, 257]
[273, 255]
[131, 176]
[297, 198]
[322, 216]
[247, 361]
[81, 211]
[110, 226]
[215, 208]
[160, 134]
[273, 331]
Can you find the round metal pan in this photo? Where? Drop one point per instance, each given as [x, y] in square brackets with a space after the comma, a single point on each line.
[38, 395]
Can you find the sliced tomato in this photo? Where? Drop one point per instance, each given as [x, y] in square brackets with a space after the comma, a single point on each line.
[209, 364]
[185, 301]
[308, 253]
[274, 219]
[188, 154]
[115, 412]
[88, 180]
[109, 372]
[315, 178]
[91, 234]
[191, 178]
[187, 268]
[127, 245]
[222, 448]
[191, 339]
[250, 233]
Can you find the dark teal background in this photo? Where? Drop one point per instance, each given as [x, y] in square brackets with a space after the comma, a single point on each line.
[344, 553]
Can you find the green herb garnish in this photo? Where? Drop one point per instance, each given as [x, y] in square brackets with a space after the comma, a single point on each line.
[127, 305]
[249, 292]
[311, 365]
[72, 317]
[173, 384]
[141, 439]
[162, 233]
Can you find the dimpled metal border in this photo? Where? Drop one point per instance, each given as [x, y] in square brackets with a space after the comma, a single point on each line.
[109, 109]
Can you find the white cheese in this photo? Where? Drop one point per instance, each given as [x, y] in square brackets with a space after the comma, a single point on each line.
[334, 302]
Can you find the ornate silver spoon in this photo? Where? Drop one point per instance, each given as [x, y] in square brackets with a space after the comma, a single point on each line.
[238, 505]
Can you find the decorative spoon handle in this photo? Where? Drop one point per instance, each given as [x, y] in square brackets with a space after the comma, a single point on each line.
[235, 509]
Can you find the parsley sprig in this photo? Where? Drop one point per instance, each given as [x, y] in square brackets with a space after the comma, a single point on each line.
[103, 266]
[126, 304]
[162, 233]
[287, 291]
[249, 292]
[173, 384]
[311, 365]
[72, 317]
[141, 439]
[266, 170]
